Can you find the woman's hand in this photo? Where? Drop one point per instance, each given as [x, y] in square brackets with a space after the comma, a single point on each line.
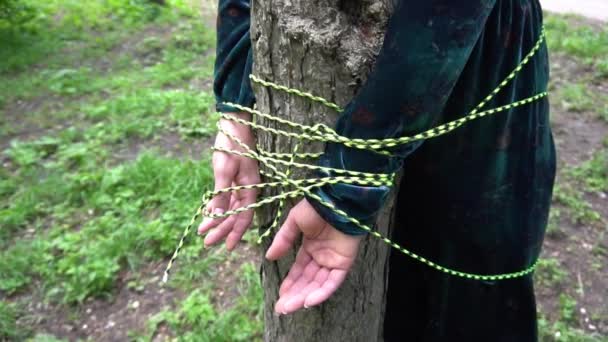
[323, 261]
[231, 170]
[325, 256]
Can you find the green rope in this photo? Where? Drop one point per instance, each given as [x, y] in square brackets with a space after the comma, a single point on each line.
[290, 188]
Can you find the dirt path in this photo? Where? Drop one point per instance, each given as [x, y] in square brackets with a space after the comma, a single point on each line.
[595, 9]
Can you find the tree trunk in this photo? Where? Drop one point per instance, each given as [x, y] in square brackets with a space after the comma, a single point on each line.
[326, 47]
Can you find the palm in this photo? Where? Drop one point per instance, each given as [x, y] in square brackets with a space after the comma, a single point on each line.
[325, 256]
[323, 261]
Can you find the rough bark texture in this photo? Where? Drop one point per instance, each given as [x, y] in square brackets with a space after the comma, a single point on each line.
[326, 47]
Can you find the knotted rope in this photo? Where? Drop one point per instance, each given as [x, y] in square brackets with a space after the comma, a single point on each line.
[322, 133]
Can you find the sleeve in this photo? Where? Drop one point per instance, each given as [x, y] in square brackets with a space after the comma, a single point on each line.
[425, 49]
[233, 56]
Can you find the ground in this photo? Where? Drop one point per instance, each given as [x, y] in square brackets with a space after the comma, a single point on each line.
[106, 120]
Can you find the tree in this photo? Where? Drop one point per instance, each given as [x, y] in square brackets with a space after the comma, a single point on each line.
[326, 47]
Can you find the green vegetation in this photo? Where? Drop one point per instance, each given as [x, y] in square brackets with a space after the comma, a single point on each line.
[571, 191]
[577, 221]
[111, 210]
[553, 229]
[198, 316]
[90, 190]
[564, 328]
[28, 40]
[604, 112]
[594, 172]
[579, 210]
[15, 13]
[577, 98]
[567, 34]
[550, 273]
[8, 326]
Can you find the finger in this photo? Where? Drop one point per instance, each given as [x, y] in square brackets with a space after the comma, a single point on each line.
[209, 222]
[331, 284]
[241, 223]
[298, 300]
[293, 303]
[243, 220]
[220, 232]
[308, 274]
[224, 172]
[285, 238]
[302, 259]
[295, 292]
[322, 275]
[223, 229]
[225, 169]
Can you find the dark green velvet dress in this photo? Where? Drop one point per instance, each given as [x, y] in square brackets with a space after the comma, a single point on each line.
[475, 200]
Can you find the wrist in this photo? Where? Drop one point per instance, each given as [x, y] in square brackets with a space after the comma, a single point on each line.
[239, 130]
[241, 115]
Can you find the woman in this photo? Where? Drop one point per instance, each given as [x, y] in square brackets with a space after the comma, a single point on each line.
[474, 200]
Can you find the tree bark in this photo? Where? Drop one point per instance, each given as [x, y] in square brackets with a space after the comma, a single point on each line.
[326, 47]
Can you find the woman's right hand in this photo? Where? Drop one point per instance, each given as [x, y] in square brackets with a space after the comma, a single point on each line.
[231, 170]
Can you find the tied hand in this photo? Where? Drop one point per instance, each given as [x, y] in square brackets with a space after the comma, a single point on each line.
[326, 254]
[231, 170]
[322, 263]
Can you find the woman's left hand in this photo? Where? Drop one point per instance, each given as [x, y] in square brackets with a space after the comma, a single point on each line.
[231, 170]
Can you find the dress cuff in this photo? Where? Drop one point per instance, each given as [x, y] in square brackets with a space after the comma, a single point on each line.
[231, 78]
[360, 202]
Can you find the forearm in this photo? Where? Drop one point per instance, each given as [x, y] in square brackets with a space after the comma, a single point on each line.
[426, 47]
[233, 55]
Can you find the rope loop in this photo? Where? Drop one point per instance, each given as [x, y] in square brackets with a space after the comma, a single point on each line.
[280, 165]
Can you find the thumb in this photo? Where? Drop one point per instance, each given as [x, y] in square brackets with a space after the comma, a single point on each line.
[284, 239]
[308, 220]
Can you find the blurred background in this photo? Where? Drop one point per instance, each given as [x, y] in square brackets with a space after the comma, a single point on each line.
[106, 117]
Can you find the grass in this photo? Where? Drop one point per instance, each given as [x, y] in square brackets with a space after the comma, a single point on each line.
[88, 225]
[571, 192]
[73, 24]
[8, 326]
[566, 34]
[577, 98]
[576, 183]
[593, 173]
[564, 328]
[576, 218]
[580, 211]
[550, 273]
[77, 213]
[199, 316]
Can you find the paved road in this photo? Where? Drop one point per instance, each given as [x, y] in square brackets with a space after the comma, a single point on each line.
[596, 9]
